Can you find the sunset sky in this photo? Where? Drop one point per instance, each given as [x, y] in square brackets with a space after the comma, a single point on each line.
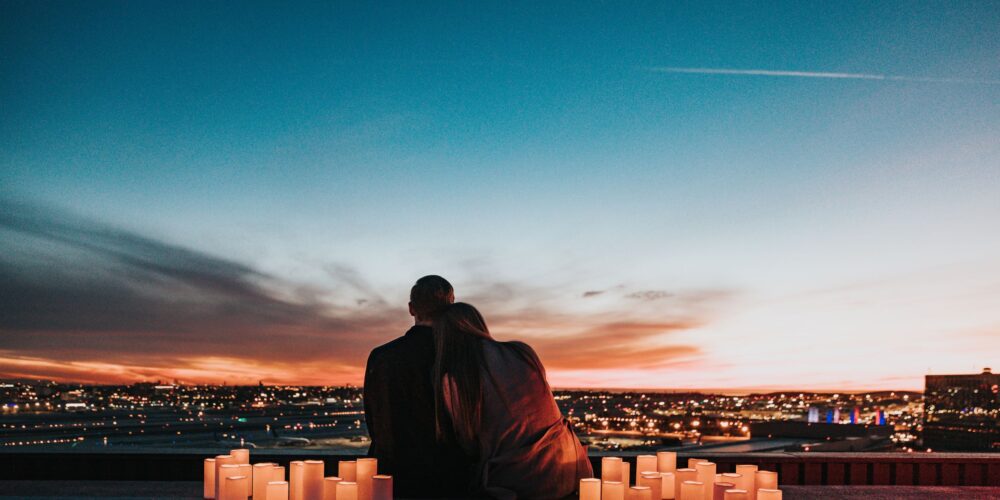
[651, 194]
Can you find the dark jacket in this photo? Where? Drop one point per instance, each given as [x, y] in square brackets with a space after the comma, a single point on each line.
[399, 412]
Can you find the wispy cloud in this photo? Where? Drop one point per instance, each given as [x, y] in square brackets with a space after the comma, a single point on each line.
[818, 74]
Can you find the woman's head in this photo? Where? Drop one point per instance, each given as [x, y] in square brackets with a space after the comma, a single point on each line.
[461, 319]
[459, 332]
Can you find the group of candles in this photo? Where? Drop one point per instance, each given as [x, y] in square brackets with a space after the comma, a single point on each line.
[231, 477]
[658, 478]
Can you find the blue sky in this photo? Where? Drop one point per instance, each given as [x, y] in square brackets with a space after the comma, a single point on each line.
[529, 153]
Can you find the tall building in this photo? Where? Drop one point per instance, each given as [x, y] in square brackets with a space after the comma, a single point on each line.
[962, 412]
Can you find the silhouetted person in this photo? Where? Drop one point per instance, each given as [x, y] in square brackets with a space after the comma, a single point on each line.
[399, 405]
[493, 399]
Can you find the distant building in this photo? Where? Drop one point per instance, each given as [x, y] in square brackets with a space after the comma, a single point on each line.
[962, 412]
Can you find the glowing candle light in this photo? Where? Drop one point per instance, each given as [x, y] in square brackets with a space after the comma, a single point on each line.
[654, 482]
[226, 471]
[295, 470]
[719, 490]
[666, 461]
[736, 494]
[221, 460]
[765, 479]
[278, 473]
[645, 463]
[365, 470]
[261, 476]
[242, 455]
[347, 470]
[236, 488]
[626, 474]
[668, 490]
[729, 477]
[692, 490]
[768, 494]
[247, 470]
[381, 487]
[748, 472]
[312, 480]
[693, 462]
[330, 487]
[277, 490]
[612, 490]
[706, 476]
[640, 493]
[208, 472]
[590, 489]
[611, 469]
[682, 476]
[347, 490]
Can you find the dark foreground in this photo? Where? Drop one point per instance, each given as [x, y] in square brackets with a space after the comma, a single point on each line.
[192, 490]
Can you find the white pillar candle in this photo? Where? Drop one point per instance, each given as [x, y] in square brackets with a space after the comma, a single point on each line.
[768, 494]
[692, 490]
[626, 474]
[590, 489]
[295, 470]
[247, 470]
[644, 463]
[719, 490]
[261, 476]
[654, 482]
[330, 487]
[347, 490]
[242, 455]
[640, 493]
[381, 487]
[226, 471]
[668, 491]
[666, 461]
[736, 494]
[765, 479]
[208, 474]
[706, 476]
[748, 472]
[277, 490]
[611, 469]
[347, 470]
[693, 462]
[612, 490]
[680, 477]
[365, 470]
[729, 477]
[236, 488]
[312, 480]
[221, 460]
[278, 473]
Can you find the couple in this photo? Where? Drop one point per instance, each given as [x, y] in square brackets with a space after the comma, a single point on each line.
[454, 413]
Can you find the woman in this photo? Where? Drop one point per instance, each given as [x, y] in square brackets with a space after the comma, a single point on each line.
[494, 400]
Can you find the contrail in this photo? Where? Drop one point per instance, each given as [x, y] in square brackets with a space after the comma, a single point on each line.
[818, 74]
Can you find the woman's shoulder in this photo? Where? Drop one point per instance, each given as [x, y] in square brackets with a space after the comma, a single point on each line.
[523, 351]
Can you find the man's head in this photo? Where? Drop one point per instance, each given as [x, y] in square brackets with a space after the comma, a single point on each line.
[429, 296]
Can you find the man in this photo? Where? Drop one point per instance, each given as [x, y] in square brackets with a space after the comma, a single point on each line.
[399, 404]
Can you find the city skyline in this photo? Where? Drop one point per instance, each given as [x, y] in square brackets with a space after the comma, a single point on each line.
[666, 196]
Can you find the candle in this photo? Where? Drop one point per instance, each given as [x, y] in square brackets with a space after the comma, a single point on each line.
[347, 470]
[612, 490]
[654, 482]
[242, 455]
[381, 487]
[645, 463]
[226, 471]
[277, 490]
[247, 470]
[747, 480]
[278, 473]
[365, 469]
[208, 472]
[706, 476]
[626, 474]
[729, 477]
[692, 490]
[693, 462]
[590, 489]
[236, 488]
[765, 479]
[666, 461]
[680, 477]
[312, 480]
[261, 476]
[768, 494]
[220, 460]
[611, 469]
[719, 490]
[668, 491]
[295, 470]
[330, 487]
[736, 494]
[640, 493]
[347, 490]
